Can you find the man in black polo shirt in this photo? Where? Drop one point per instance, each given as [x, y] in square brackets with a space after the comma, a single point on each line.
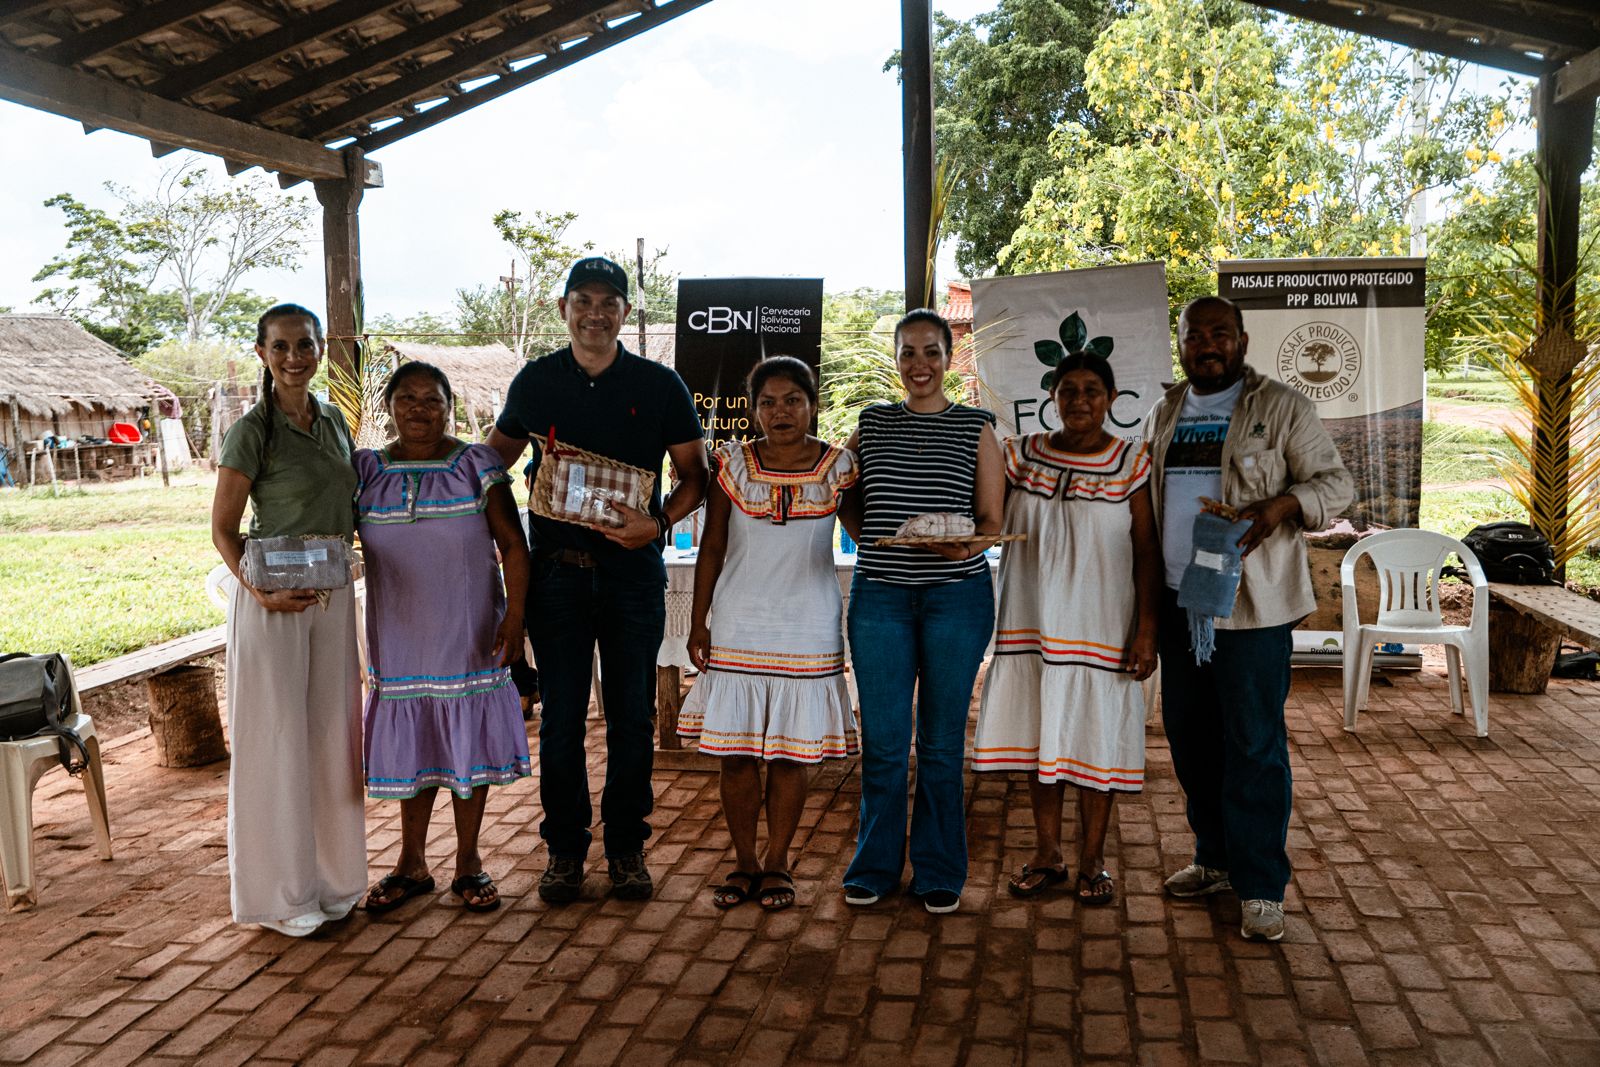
[605, 587]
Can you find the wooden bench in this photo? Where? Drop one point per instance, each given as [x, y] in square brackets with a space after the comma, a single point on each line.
[184, 719]
[153, 660]
[1526, 625]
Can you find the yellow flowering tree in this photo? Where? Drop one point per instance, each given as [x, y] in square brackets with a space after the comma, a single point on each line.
[1242, 136]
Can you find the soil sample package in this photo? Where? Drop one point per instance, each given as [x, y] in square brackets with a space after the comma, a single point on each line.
[296, 563]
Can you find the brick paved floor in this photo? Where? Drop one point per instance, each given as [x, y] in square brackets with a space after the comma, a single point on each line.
[1445, 909]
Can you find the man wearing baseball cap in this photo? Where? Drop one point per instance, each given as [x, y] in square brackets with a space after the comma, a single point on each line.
[600, 587]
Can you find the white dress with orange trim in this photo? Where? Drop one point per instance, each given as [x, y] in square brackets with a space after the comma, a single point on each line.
[774, 685]
[1058, 700]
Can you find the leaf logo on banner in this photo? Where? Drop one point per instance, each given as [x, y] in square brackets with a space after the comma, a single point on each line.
[1074, 341]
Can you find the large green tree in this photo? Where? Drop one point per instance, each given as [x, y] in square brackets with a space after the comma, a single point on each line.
[521, 310]
[1002, 81]
[171, 264]
[1248, 138]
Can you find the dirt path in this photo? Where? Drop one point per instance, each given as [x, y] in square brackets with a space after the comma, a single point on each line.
[1478, 416]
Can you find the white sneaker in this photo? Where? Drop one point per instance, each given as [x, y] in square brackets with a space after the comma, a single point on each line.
[299, 926]
[335, 912]
[1261, 920]
[1197, 881]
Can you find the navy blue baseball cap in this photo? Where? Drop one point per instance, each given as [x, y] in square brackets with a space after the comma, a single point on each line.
[597, 269]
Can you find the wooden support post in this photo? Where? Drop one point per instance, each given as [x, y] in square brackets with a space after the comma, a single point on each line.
[916, 125]
[669, 701]
[341, 243]
[1521, 651]
[184, 721]
[1564, 144]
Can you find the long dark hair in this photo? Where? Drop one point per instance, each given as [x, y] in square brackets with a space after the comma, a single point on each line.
[264, 404]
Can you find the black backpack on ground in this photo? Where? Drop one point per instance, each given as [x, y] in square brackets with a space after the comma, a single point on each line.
[36, 701]
[1512, 552]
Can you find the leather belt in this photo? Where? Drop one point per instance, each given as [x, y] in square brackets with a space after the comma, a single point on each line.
[572, 557]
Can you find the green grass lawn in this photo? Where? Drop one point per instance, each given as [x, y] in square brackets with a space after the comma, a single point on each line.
[95, 594]
[1452, 453]
[1476, 390]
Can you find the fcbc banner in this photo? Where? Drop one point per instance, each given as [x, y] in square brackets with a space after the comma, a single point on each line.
[728, 325]
[1023, 323]
[1348, 333]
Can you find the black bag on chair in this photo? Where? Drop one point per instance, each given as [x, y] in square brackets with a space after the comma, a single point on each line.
[36, 701]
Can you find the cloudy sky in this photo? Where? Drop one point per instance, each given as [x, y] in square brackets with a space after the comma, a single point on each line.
[748, 136]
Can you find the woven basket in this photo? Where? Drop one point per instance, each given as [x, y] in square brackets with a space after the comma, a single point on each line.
[604, 480]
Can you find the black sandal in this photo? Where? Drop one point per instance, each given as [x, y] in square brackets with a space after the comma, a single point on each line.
[483, 884]
[728, 895]
[1048, 876]
[778, 897]
[1096, 896]
[408, 887]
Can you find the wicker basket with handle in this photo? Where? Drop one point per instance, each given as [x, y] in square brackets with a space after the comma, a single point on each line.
[578, 486]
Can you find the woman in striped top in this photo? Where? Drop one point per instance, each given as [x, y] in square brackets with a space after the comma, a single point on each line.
[919, 619]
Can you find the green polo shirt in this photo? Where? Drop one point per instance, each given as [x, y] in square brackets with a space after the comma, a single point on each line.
[306, 484]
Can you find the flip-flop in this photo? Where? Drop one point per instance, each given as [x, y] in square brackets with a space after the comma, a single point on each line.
[728, 895]
[408, 887]
[777, 897]
[480, 881]
[1096, 898]
[1049, 876]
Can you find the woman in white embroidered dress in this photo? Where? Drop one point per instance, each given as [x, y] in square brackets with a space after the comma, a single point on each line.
[1077, 626]
[765, 630]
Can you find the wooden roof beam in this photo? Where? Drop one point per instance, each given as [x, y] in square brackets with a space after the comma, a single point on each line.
[375, 55]
[13, 10]
[1579, 79]
[427, 77]
[1517, 25]
[115, 32]
[1410, 36]
[102, 103]
[269, 46]
[507, 82]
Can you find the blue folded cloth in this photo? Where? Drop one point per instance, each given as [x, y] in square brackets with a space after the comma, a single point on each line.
[1211, 580]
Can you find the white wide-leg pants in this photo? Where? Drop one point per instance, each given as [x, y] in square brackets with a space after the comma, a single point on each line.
[296, 818]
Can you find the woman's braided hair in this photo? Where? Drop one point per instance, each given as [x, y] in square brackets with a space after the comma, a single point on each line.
[264, 404]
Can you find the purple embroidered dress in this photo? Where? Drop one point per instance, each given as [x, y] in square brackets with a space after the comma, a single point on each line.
[440, 710]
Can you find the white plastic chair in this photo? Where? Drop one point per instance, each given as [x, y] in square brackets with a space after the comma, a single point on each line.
[22, 764]
[1408, 564]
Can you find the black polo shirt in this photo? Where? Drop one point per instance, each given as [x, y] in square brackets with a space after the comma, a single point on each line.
[633, 411]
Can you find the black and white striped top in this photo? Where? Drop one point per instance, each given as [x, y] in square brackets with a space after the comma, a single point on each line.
[913, 464]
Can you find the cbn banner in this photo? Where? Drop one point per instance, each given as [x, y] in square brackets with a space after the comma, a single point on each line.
[1348, 333]
[728, 325]
[1021, 322]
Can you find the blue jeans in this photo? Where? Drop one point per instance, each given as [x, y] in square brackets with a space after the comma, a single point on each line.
[1224, 723]
[928, 640]
[570, 610]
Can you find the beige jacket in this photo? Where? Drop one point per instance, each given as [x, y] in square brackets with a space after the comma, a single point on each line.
[1275, 445]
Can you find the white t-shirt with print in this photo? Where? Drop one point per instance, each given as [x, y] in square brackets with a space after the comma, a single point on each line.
[1193, 470]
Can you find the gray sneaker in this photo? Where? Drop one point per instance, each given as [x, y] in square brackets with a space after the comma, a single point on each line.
[1261, 920]
[562, 880]
[630, 878]
[1197, 881]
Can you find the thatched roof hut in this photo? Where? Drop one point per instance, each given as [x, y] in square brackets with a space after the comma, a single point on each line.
[479, 374]
[48, 364]
[56, 377]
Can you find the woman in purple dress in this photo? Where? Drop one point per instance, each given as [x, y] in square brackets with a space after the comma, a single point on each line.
[442, 629]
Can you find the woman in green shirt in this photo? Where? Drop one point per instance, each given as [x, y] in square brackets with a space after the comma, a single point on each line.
[296, 826]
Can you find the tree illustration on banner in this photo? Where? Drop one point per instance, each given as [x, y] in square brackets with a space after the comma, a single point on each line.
[1075, 340]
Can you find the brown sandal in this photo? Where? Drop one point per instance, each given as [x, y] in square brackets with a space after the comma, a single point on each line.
[776, 897]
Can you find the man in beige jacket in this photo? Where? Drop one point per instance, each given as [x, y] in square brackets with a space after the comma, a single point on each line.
[1229, 434]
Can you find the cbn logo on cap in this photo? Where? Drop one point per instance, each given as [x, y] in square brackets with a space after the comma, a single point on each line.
[597, 269]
